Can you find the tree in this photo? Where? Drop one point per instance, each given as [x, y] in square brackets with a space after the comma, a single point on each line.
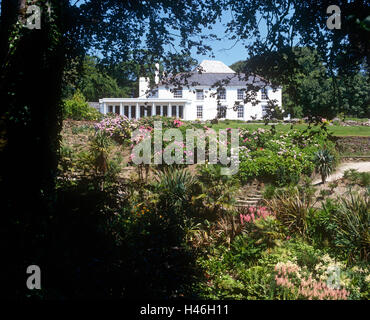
[32, 63]
[307, 84]
[294, 22]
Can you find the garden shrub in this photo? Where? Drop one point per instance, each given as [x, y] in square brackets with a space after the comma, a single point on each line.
[352, 219]
[77, 108]
[280, 159]
[292, 210]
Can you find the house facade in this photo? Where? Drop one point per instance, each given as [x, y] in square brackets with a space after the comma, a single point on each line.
[197, 98]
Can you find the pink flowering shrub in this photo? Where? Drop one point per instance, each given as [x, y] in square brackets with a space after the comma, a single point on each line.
[255, 213]
[177, 123]
[117, 127]
[304, 286]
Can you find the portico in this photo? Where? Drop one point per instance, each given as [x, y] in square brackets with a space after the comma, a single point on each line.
[136, 108]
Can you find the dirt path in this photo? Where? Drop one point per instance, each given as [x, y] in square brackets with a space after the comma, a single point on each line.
[359, 166]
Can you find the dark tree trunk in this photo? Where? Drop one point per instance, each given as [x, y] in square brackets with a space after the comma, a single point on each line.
[30, 121]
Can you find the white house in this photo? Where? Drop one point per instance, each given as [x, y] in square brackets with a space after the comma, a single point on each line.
[196, 98]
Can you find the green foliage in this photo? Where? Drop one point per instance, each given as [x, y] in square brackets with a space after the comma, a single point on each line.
[279, 159]
[96, 84]
[352, 220]
[324, 163]
[77, 108]
[269, 192]
[292, 209]
[355, 177]
[320, 226]
[217, 190]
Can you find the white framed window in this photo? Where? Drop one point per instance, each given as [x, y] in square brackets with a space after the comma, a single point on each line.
[181, 112]
[199, 112]
[221, 94]
[177, 93]
[240, 94]
[264, 94]
[240, 111]
[200, 94]
[221, 111]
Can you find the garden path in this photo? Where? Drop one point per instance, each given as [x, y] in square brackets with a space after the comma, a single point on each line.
[362, 166]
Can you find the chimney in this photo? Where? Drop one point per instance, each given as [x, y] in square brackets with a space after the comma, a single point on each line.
[143, 86]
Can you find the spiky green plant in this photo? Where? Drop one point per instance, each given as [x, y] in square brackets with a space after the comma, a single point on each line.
[352, 218]
[324, 162]
[292, 210]
[175, 184]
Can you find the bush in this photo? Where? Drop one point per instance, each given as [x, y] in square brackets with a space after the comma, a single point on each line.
[291, 208]
[77, 108]
[324, 163]
[352, 219]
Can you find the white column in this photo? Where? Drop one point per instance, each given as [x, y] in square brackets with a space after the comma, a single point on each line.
[137, 110]
[129, 112]
[161, 110]
[169, 110]
[104, 108]
[153, 109]
[120, 109]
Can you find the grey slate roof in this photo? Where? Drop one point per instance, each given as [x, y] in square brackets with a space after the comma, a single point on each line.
[94, 105]
[209, 79]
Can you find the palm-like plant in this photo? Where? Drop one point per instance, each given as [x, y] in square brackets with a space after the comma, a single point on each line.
[324, 162]
[175, 185]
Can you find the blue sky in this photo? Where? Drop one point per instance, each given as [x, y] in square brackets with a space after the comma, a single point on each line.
[227, 51]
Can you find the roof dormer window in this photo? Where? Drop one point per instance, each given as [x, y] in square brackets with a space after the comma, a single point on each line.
[177, 93]
[200, 94]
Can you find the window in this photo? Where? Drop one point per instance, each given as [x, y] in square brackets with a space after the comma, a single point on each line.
[177, 93]
[200, 95]
[110, 109]
[221, 94]
[126, 111]
[133, 112]
[240, 94]
[116, 110]
[264, 95]
[142, 111]
[181, 112]
[221, 111]
[173, 111]
[240, 111]
[264, 110]
[165, 111]
[157, 110]
[200, 112]
[148, 111]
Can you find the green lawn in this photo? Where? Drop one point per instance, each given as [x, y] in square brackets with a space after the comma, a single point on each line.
[362, 131]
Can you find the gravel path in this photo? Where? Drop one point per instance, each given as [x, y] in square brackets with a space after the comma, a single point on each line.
[359, 166]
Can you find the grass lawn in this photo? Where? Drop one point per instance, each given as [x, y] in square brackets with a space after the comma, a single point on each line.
[362, 131]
